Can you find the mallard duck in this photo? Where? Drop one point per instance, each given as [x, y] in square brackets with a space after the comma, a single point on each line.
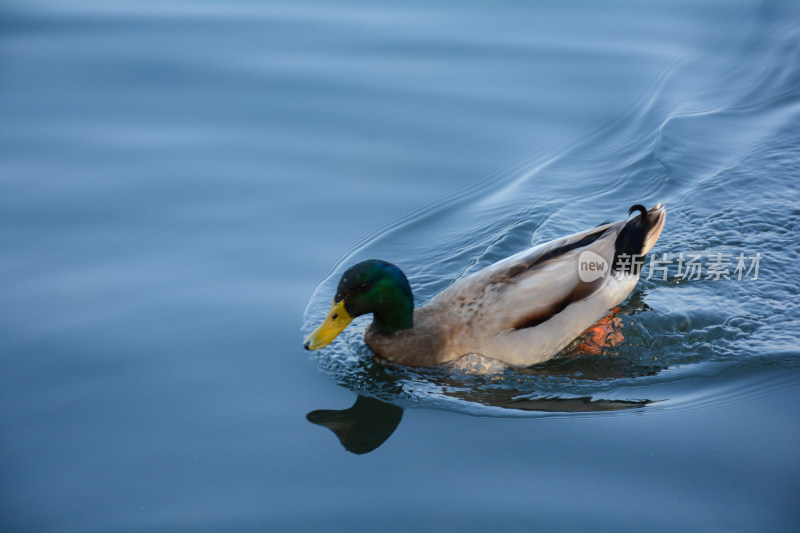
[521, 310]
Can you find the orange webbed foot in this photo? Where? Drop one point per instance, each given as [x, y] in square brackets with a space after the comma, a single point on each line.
[602, 334]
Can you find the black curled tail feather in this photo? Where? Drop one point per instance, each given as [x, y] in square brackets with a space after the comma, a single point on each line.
[638, 207]
[628, 256]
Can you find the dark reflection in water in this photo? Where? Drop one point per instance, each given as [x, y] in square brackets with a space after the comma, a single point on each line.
[369, 423]
[363, 427]
[366, 425]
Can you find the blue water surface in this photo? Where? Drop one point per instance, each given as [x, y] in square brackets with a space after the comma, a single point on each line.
[182, 183]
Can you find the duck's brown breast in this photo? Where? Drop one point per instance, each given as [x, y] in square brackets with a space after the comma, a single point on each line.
[425, 344]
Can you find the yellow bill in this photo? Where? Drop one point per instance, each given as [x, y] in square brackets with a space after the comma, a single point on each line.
[338, 318]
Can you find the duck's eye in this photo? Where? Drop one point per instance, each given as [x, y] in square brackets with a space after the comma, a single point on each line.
[363, 286]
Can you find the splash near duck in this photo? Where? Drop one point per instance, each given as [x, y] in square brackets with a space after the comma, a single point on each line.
[521, 310]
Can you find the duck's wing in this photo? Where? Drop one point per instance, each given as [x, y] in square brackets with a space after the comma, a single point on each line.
[528, 288]
[549, 294]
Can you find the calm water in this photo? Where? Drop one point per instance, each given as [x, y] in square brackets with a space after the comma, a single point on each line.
[182, 183]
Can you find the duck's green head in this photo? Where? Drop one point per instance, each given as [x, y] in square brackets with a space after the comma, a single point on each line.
[372, 286]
